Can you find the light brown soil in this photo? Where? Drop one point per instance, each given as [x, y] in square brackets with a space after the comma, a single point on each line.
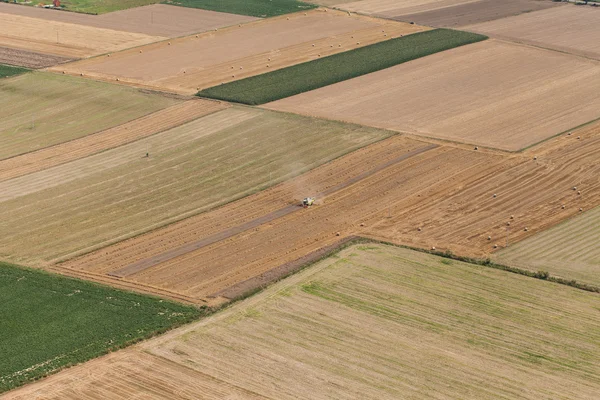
[394, 8]
[446, 191]
[475, 12]
[29, 59]
[491, 93]
[570, 28]
[111, 138]
[196, 62]
[64, 39]
[153, 20]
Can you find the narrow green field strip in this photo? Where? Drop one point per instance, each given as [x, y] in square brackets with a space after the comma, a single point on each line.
[312, 75]
[7, 70]
[99, 6]
[49, 322]
[254, 8]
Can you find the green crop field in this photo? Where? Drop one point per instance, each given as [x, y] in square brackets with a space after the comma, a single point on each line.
[40, 109]
[7, 70]
[382, 322]
[312, 75]
[254, 8]
[195, 167]
[49, 322]
[570, 250]
[99, 6]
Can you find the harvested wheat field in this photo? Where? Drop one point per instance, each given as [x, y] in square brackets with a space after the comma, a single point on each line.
[491, 93]
[366, 323]
[570, 29]
[570, 250]
[154, 20]
[188, 64]
[114, 194]
[65, 39]
[400, 190]
[39, 110]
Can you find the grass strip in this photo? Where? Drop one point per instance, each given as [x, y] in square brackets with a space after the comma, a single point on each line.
[315, 74]
[49, 322]
[7, 70]
[254, 8]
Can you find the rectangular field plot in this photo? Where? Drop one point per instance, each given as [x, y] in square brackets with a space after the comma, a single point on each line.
[7, 71]
[570, 250]
[38, 110]
[490, 93]
[49, 322]
[121, 192]
[373, 322]
[189, 64]
[570, 29]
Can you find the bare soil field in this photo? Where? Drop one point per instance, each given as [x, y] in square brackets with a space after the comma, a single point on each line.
[86, 146]
[570, 250]
[570, 29]
[366, 323]
[154, 20]
[118, 193]
[65, 39]
[39, 109]
[400, 190]
[29, 59]
[188, 64]
[393, 8]
[475, 12]
[491, 93]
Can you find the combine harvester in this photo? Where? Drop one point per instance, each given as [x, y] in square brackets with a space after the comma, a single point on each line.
[308, 201]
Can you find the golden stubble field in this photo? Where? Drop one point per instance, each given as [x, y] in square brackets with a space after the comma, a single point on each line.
[367, 323]
[492, 93]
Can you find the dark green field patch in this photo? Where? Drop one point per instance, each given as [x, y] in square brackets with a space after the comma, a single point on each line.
[315, 74]
[254, 8]
[48, 322]
[7, 70]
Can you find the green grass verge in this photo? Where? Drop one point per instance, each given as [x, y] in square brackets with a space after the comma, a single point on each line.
[254, 8]
[312, 75]
[49, 322]
[7, 70]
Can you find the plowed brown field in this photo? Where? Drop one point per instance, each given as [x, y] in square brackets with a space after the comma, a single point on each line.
[186, 64]
[392, 187]
[64, 39]
[570, 29]
[29, 59]
[154, 20]
[491, 93]
[111, 138]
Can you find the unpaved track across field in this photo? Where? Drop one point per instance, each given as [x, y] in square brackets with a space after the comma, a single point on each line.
[29, 59]
[145, 126]
[154, 20]
[570, 29]
[491, 93]
[186, 65]
[447, 192]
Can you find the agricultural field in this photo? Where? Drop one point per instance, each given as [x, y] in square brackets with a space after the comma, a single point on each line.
[339, 67]
[444, 13]
[51, 322]
[29, 59]
[399, 190]
[39, 110]
[99, 6]
[492, 94]
[371, 322]
[569, 250]
[189, 64]
[154, 20]
[106, 197]
[255, 8]
[569, 29]
[8, 71]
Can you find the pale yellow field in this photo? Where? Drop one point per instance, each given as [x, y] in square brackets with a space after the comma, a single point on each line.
[491, 93]
[374, 322]
[570, 250]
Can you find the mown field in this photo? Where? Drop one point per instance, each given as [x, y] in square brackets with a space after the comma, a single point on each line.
[38, 110]
[50, 322]
[312, 75]
[200, 165]
[570, 250]
[7, 71]
[372, 322]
